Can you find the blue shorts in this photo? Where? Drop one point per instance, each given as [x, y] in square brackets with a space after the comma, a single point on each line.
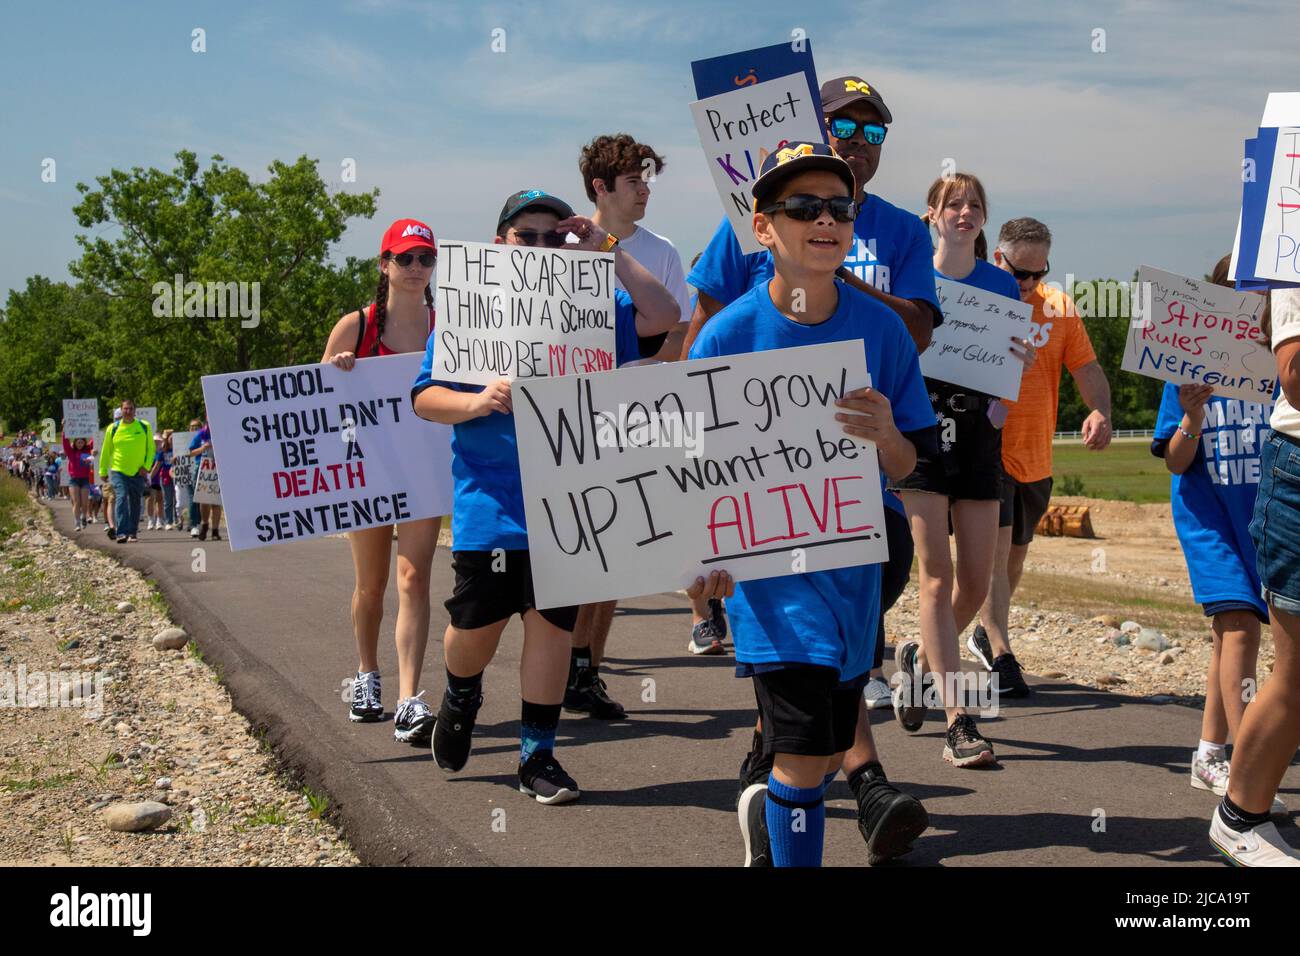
[1275, 526]
[79, 482]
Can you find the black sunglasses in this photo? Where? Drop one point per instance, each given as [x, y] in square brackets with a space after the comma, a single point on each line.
[804, 208]
[1023, 274]
[404, 259]
[532, 237]
[842, 127]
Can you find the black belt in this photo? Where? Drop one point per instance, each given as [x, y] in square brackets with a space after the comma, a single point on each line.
[961, 402]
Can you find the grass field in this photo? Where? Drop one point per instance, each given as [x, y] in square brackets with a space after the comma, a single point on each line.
[1126, 471]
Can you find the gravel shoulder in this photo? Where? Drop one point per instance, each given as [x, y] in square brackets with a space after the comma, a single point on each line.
[132, 723]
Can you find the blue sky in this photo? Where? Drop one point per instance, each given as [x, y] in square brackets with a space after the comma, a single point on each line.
[1131, 155]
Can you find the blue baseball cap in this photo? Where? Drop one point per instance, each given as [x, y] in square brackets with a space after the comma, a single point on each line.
[527, 199]
[795, 158]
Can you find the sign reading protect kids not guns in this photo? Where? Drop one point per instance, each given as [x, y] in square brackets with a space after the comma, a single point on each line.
[522, 312]
[312, 450]
[1201, 333]
[640, 480]
[739, 128]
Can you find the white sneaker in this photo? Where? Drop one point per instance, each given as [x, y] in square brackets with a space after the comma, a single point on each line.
[167, 527]
[194, 532]
[1213, 775]
[876, 694]
[1261, 846]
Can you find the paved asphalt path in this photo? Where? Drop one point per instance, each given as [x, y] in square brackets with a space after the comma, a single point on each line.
[659, 788]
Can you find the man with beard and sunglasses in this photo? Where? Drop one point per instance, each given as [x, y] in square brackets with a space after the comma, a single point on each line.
[1062, 341]
[890, 260]
[489, 536]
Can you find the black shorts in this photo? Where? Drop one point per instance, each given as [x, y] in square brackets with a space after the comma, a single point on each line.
[971, 467]
[1023, 506]
[806, 710]
[485, 595]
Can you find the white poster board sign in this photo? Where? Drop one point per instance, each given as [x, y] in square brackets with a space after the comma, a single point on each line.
[1201, 333]
[207, 487]
[972, 347]
[312, 450]
[81, 418]
[149, 414]
[739, 128]
[64, 477]
[181, 445]
[522, 312]
[1279, 242]
[639, 480]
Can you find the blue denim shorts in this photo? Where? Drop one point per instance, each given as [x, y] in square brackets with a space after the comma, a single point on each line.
[1275, 526]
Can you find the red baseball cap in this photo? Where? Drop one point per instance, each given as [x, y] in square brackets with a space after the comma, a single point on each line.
[407, 234]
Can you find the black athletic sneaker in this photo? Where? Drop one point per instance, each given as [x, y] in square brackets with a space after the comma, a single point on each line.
[413, 721]
[587, 695]
[366, 705]
[965, 746]
[888, 818]
[752, 812]
[1007, 678]
[755, 768]
[909, 695]
[543, 779]
[979, 645]
[452, 732]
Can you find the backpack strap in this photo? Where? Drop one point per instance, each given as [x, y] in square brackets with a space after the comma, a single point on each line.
[361, 330]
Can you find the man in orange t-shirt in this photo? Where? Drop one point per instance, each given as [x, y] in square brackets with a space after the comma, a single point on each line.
[1062, 341]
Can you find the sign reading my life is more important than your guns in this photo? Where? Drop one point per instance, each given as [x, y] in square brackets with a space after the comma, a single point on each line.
[638, 481]
[971, 348]
[312, 450]
[521, 312]
[739, 128]
[1195, 332]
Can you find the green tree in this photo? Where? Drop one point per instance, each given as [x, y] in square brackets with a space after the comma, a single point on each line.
[214, 225]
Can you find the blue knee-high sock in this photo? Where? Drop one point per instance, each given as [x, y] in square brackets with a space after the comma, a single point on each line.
[537, 725]
[796, 823]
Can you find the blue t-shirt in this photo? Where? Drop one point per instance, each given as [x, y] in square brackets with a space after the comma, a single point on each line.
[489, 505]
[891, 251]
[827, 618]
[1214, 499]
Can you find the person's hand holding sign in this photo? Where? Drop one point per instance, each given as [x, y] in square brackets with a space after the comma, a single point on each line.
[590, 236]
[1024, 350]
[875, 422]
[1192, 398]
[719, 584]
[344, 361]
[495, 397]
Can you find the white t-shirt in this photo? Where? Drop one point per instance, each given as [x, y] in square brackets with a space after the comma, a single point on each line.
[1286, 326]
[660, 258]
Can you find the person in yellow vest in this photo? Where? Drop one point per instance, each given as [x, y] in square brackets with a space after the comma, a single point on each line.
[125, 459]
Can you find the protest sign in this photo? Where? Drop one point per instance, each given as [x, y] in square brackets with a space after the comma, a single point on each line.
[972, 346]
[80, 418]
[207, 486]
[721, 74]
[64, 478]
[1201, 333]
[181, 443]
[522, 312]
[1271, 210]
[313, 450]
[739, 128]
[639, 480]
[149, 414]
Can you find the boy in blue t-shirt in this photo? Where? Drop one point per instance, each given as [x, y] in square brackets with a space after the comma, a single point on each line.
[806, 640]
[489, 537]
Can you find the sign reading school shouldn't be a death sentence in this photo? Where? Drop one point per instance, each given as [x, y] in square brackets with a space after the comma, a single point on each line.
[522, 312]
[313, 450]
[739, 128]
[971, 348]
[640, 480]
[1201, 333]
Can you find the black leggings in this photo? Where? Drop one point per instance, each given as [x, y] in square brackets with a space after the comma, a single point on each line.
[894, 573]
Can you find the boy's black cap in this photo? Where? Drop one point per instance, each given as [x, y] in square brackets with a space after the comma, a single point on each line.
[849, 89]
[793, 159]
[527, 198]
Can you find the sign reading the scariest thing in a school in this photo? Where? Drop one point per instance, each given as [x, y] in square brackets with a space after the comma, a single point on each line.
[312, 450]
[640, 480]
[522, 312]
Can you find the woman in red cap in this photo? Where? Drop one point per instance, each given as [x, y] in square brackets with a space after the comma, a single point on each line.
[399, 320]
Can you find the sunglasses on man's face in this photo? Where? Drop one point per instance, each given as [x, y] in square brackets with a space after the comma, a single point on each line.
[805, 208]
[1023, 274]
[842, 127]
[532, 237]
[404, 259]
